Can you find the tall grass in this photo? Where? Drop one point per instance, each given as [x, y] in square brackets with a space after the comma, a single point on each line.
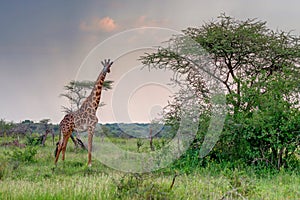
[40, 179]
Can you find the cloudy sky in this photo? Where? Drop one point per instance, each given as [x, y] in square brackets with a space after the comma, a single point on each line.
[46, 44]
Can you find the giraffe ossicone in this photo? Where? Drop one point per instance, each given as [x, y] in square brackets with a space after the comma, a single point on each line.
[84, 119]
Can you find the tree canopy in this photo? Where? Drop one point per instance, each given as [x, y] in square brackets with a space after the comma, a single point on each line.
[77, 91]
[259, 69]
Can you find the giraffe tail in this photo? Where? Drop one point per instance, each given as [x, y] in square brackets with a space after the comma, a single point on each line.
[56, 149]
[57, 144]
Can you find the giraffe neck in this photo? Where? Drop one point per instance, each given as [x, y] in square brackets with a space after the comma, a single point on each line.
[91, 103]
[95, 95]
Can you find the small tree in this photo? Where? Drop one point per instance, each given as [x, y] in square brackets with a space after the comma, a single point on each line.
[77, 91]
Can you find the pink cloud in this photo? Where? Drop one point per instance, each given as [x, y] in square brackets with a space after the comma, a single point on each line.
[105, 24]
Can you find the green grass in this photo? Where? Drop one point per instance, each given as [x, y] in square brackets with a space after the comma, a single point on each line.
[40, 179]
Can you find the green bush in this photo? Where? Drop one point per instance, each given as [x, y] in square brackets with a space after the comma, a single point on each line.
[33, 139]
[240, 182]
[141, 186]
[23, 155]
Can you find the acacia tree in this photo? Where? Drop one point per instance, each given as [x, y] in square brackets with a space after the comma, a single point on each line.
[77, 91]
[259, 69]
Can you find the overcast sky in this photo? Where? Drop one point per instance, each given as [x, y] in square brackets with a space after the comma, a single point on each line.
[46, 44]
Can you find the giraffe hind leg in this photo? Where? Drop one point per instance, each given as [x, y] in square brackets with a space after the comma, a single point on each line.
[64, 146]
[61, 147]
[58, 147]
[57, 151]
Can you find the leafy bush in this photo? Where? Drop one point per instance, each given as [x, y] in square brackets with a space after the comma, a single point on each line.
[141, 186]
[24, 155]
[240, 183]
[33, 139]
[139, 144]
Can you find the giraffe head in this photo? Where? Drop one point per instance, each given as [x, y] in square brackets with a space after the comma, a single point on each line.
[107, 64]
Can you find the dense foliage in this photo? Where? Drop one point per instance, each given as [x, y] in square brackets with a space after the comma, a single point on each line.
[259, 70]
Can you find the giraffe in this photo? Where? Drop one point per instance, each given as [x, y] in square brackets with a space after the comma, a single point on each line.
[84, 119]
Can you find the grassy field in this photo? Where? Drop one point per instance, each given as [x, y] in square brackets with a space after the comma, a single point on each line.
[26, 177]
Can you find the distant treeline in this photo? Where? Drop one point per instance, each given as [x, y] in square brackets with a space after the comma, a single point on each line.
[123, 130]
[135, 130]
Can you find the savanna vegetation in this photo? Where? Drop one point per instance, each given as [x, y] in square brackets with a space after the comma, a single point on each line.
[28, 172]
[257, 155]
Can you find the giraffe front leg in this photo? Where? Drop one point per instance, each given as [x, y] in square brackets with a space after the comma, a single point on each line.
[90, 143]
